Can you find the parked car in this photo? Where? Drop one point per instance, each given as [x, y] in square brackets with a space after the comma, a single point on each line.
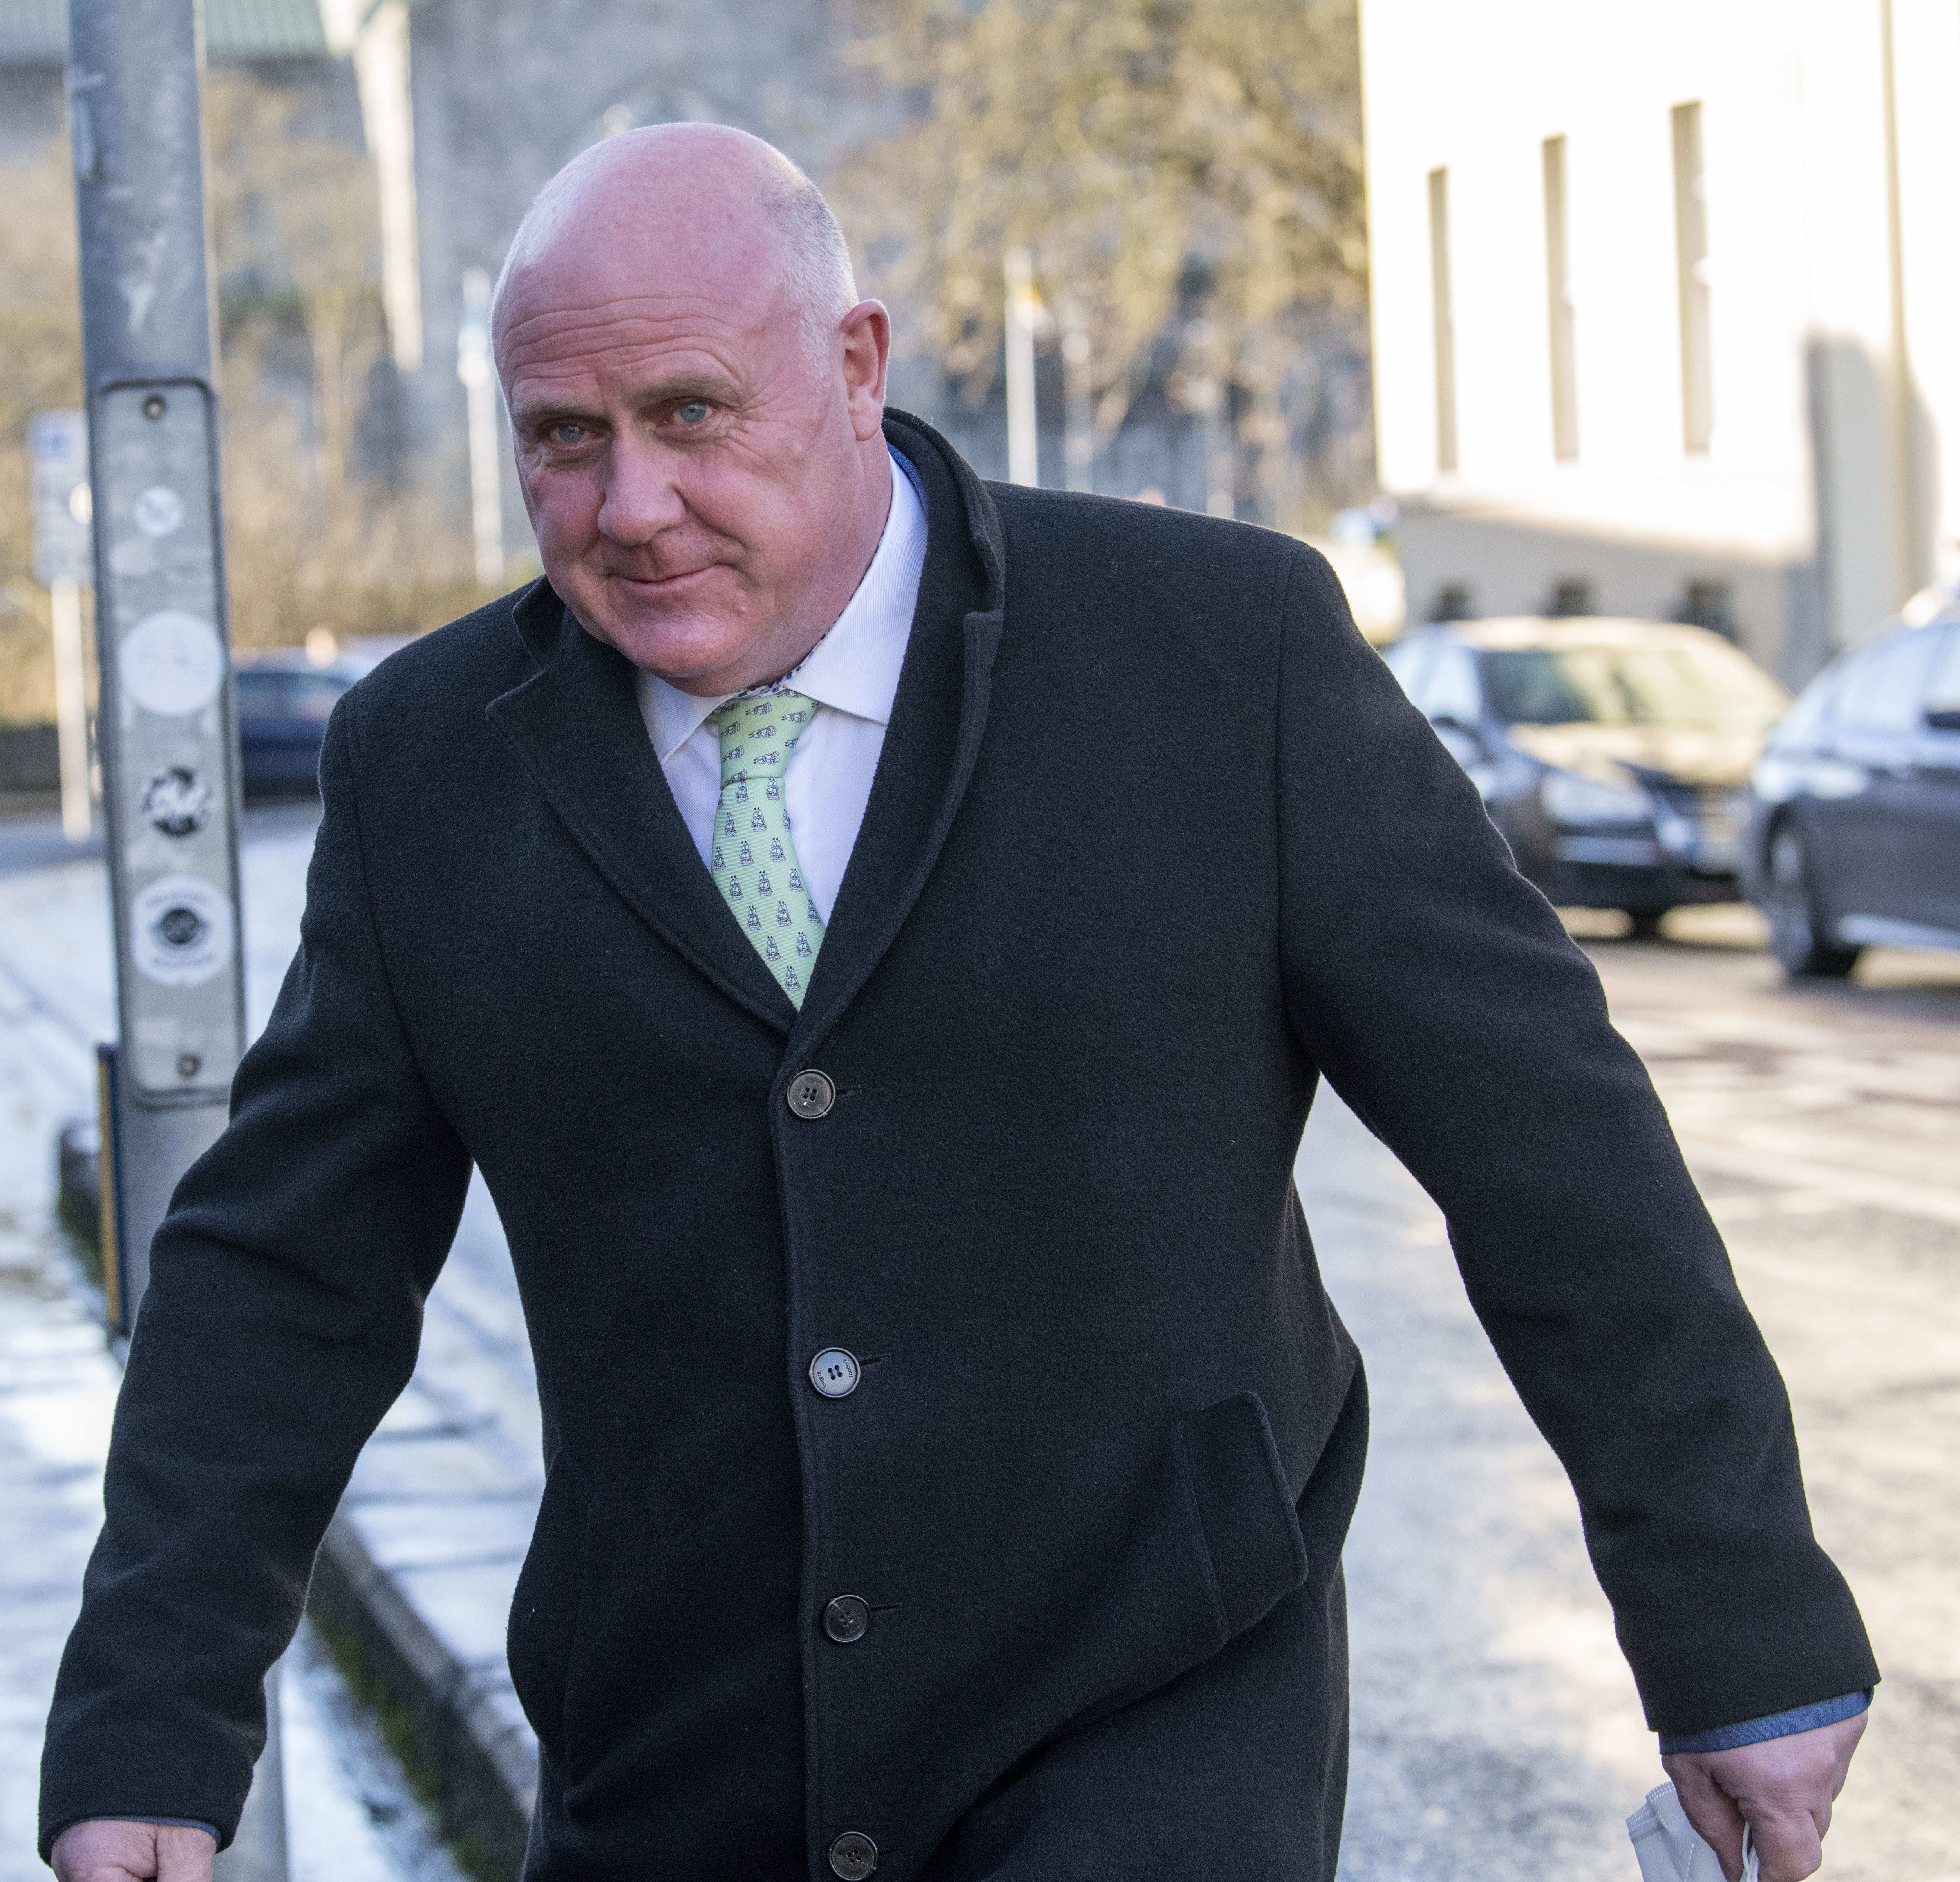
[284, 702]
[1612, 754]
[1853, 833]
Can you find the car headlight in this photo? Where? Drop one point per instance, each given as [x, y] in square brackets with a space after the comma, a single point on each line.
[1569, 798]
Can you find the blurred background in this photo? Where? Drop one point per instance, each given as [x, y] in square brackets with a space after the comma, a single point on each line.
[1185, 184]
[1609, 354]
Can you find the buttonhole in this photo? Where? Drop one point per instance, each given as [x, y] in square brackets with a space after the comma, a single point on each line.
[876, 1359]
[889, 1607]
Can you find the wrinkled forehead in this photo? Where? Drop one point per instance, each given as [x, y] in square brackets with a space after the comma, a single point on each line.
[599, 283]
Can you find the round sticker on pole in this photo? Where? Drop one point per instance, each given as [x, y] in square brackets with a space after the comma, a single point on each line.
[176, 801]
[157, 511]
[171, 663]
[181, 931]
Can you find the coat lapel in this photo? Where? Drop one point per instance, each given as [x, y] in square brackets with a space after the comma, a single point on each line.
[576, 726]
[937, 719]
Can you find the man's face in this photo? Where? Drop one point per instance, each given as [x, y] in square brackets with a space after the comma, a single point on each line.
[695, 472]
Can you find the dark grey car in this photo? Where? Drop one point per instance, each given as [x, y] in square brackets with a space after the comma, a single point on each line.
[1853, 836]
[284, 700]
[1612, 754]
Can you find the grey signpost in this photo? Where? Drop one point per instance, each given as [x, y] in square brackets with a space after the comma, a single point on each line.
[165, 727]
[57, 458]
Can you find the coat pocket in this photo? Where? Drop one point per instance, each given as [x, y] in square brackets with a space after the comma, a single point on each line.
[544, 1609]
[1245, 1514]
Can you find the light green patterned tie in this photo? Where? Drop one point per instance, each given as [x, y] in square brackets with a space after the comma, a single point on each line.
[754, 857]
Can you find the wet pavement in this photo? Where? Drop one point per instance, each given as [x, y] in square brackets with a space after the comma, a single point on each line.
[1496, 1734]
[351, 1815]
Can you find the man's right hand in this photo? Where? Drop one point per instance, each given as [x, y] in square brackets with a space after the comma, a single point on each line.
[1782, 1787]
[111, 1852]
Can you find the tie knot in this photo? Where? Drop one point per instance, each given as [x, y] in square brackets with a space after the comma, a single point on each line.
[759, 732]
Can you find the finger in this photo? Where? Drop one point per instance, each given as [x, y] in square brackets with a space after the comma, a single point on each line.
[1849, 1733]
[184, 1855]
[1788, 1847]
[102, 1851]
[1713, 1812]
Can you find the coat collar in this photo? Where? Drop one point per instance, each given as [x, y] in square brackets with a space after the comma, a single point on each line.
[576, 726]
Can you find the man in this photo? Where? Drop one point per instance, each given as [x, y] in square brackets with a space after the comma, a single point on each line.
[879, 935]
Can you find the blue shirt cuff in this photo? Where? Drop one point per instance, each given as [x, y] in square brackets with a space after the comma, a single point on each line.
[170, 1823]
[1754, 1731]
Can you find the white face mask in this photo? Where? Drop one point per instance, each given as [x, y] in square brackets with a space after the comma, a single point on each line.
[1668, 1847]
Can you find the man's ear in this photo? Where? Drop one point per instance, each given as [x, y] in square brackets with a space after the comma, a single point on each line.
[867, 331]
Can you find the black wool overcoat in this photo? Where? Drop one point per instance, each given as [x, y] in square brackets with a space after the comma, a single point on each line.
[1155, 842]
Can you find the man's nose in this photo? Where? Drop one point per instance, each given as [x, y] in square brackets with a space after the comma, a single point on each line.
[642, 497]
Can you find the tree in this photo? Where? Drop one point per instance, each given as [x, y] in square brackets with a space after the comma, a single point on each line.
[296, 227]
[40, 368]
[311, 541]
[1187, 168]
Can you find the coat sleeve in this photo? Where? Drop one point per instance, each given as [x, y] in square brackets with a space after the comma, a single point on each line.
[1440, 995]
[282, 1320]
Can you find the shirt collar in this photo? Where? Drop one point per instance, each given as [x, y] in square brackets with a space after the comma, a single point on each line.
[854, 668]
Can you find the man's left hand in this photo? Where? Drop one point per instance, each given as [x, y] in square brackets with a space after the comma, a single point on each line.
[1782, 1788]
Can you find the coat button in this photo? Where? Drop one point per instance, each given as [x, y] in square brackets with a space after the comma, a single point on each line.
[846, 1618]
[835, 1373]
[811, 1094]
[853, 1856]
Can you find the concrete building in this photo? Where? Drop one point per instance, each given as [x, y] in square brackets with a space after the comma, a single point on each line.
[1663, 304]
[471, 105]
[465, 107]
[284, 40]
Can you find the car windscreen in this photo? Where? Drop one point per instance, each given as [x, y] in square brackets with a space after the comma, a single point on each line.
[1705, 688]
[270, 693]
[314, 696]
[261, 695]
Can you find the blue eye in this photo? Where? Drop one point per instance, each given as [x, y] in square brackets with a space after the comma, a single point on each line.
[693, 411]
[568, 433]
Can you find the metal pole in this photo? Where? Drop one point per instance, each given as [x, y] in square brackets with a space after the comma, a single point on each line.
[1078, 448]
[1023, 450]
[64, 561]
[165, 724]
[70, 707]
[472, 367]
[258, 1852]
[1219, 469]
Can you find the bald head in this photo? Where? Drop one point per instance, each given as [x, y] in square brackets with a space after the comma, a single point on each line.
[663, 199]
[696, 398]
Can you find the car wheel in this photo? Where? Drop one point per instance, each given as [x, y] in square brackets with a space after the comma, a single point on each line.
[1643, 924]
[1797, 935]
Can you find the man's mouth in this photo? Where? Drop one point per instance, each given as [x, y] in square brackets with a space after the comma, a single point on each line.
[668, 581]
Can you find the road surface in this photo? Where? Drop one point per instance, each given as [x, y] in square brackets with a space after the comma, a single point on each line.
[1496, 1738]
[1496, 1732]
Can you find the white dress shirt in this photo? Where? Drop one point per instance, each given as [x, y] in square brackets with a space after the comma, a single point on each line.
[852, 673]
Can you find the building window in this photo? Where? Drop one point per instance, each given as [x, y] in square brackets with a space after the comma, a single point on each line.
[1444, 321]
[1710, 604]
[1690, 245]
[1558, 279]
[1455, 601]
[1570, 595]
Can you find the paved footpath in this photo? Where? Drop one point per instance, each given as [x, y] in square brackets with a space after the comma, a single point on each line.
[351, 1816]
[1496, 1738]
[1496, 1732]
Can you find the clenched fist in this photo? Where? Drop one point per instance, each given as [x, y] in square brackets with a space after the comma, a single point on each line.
[111, 1852]
[1782, 1788]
